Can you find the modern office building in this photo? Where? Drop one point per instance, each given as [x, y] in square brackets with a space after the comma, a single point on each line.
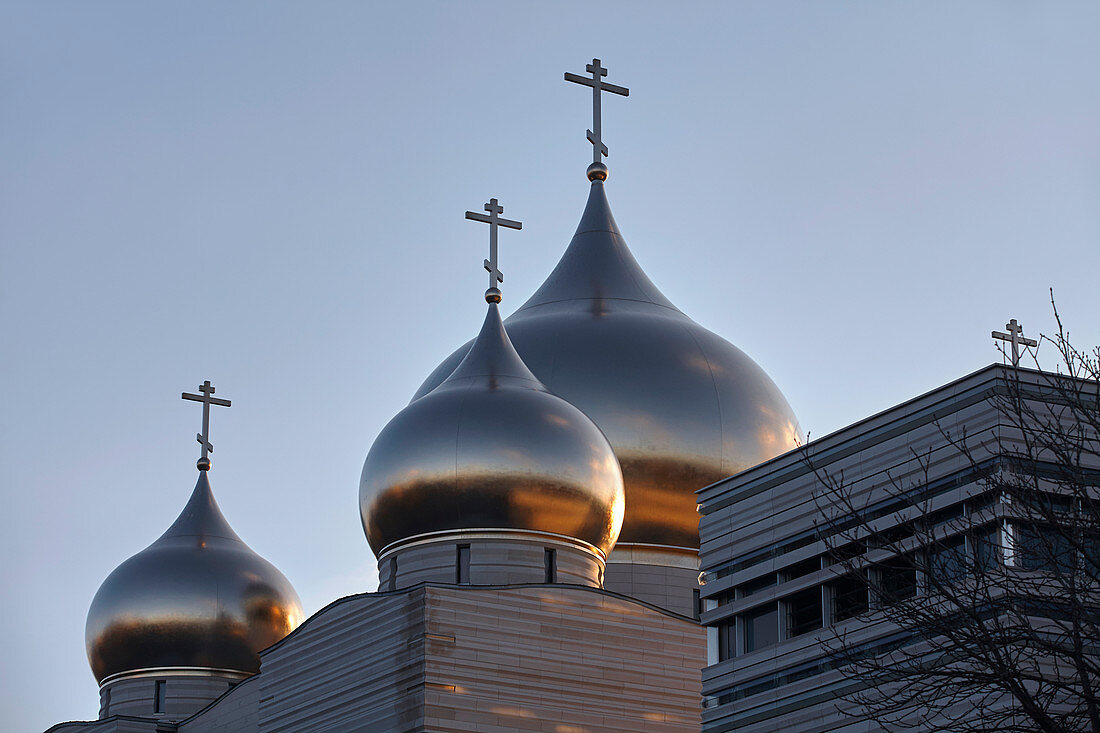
[798, 551]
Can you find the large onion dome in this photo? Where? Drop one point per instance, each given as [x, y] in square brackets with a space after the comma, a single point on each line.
[198, 597]
[681, 406]
[490, 449]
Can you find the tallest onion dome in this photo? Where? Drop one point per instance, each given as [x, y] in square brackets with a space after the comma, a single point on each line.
[681, 406]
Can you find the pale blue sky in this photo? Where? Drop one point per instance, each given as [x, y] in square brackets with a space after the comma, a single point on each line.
[270, 195]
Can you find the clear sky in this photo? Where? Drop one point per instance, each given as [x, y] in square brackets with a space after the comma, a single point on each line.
[271, 196]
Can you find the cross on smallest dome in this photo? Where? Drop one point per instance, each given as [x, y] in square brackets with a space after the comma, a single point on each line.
[206, 398]
[1015, 335]
[492, 295]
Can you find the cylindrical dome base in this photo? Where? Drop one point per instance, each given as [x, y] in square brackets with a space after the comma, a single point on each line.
[667, 577]
[168, 693]
[488, 557]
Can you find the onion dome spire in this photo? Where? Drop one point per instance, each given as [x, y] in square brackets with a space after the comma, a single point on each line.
[491, 450]
[198, 597]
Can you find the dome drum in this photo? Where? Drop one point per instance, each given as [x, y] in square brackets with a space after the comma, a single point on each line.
[665, 576]
[490, 557]
[181, 691]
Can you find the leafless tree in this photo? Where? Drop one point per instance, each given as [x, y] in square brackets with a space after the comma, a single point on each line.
[993, 603]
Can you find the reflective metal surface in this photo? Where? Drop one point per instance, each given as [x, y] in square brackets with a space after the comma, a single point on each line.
[681, 406]
[197, 597]
[491, 448]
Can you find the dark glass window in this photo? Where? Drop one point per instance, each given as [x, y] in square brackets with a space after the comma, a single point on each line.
[849, 596]
[761, 627]
[847, 551]
[159, 696]
[550, 565]
[802, 568]
[1044, 548]
[945, 515]
[804, 611]
[897, 579]
[755, 586]
[947, 560]
[1090, 545]
[696, 604]
[727, 641]
[393, 573]
[462, 564]
[987, 548]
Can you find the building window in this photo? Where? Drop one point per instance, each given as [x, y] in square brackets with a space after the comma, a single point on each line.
[849, 596]
[897, 579]
[761, 627]
[1040, 548]
[159, 696]
[804, 611]
[799, 569]
[696, 604]
[550, 565]
[462, 564]
[988, 553]
[947, 561]
[727, 640]
[755, 586]
[393, 573]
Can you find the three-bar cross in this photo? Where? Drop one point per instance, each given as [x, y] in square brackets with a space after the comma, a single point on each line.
[1016, 336]
[207, 399]
[493, 220]
[595, 136]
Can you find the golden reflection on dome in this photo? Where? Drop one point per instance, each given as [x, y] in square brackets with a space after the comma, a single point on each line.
[491, 448]
[197, 597]
[681, 406]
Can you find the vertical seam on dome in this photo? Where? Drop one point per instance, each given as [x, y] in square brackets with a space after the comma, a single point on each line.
[621, 251]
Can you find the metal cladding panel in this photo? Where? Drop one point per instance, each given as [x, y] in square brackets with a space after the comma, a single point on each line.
[238, 711]
[354, 666]
[551, 658]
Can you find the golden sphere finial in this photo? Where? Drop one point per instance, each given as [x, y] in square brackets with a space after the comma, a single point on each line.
[597, 172]
[492, 295]
[203, 464]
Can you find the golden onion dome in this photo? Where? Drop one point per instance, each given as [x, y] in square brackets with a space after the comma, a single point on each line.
[681, 406]
[197, 597]
[490, 449]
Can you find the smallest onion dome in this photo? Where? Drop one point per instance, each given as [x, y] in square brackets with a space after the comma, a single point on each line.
[198, 597]
[491, 449]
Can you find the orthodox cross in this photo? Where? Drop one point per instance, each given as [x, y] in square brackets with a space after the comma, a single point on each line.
[595, 136]
[206, 398]
[493, 220]
[1016, 336]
